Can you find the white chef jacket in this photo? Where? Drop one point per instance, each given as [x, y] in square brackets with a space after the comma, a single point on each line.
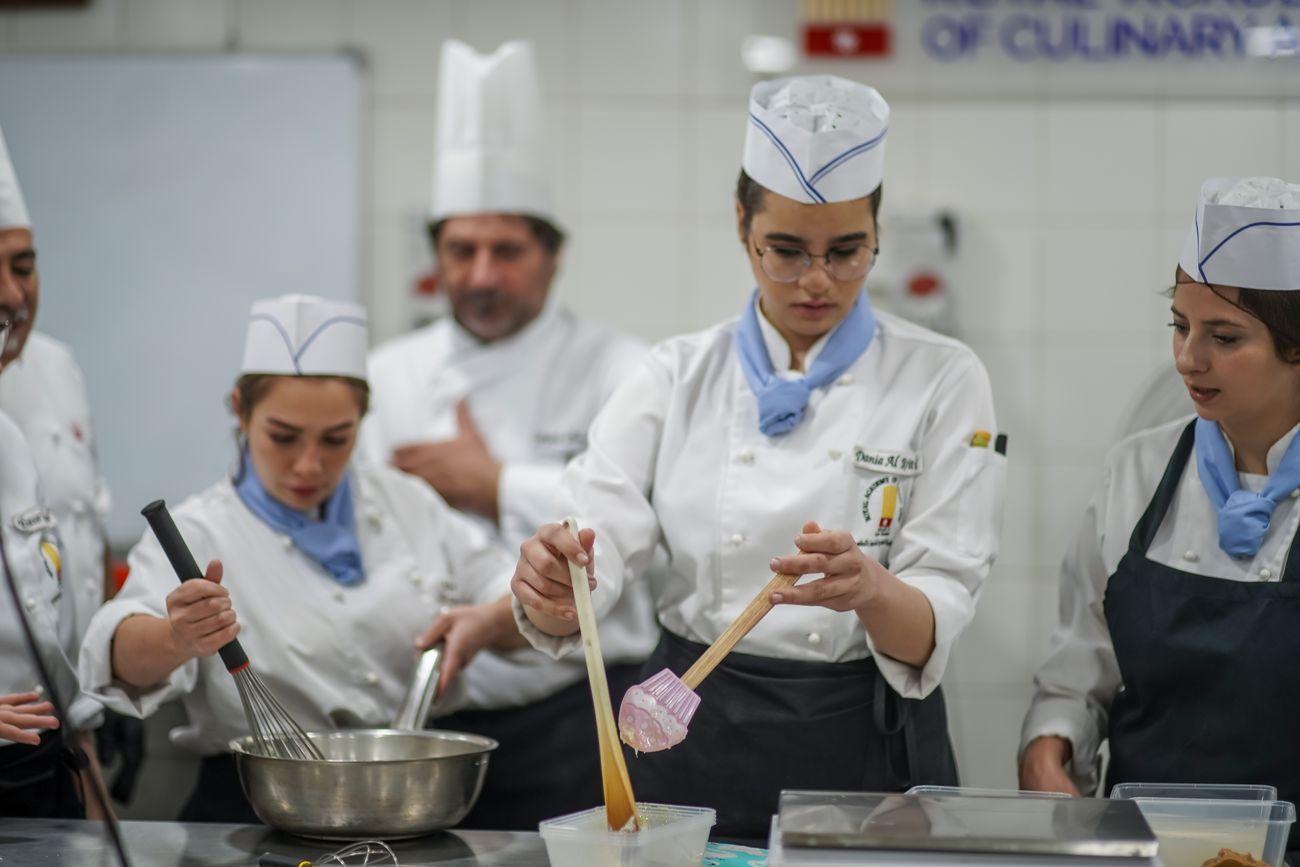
[335, 656]
[32, 546]
[44, 392]
[676, 456]
[1079, 680]
[532, 396]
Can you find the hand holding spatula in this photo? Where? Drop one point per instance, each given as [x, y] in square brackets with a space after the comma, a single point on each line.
[654, 714]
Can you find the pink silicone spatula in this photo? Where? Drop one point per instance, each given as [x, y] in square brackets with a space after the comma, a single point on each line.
[654, 715]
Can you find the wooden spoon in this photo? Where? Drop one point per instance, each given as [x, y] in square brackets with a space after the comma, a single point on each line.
[620, 803]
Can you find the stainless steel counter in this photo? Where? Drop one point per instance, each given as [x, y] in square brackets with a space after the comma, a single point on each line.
[69, 843]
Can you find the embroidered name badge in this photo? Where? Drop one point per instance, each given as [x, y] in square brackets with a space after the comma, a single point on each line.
[34, 520]
[566, 444]
[898, 463]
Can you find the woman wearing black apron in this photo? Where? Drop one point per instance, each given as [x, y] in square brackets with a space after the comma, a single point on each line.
[1181, 593]
[744, 441]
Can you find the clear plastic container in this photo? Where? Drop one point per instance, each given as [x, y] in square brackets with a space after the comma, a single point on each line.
[1212, 791]
[977, 792]
[669, 837]
[1198, 820]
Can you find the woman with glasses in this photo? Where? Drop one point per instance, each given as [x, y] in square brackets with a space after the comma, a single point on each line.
[1181, 592]
[809, 436]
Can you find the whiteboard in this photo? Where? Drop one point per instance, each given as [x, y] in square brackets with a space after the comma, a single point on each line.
[167, 193]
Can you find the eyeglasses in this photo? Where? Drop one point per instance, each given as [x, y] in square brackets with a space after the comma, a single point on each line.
[787, 264]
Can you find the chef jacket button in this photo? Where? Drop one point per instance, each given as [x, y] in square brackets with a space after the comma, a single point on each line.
[846, 379]
[31, 603]
[1265, 574]
[286, 540]
[372, 678]
[737, 538]
[1191, 556]
[814, 638]
[834, 454]
[39, 689]
[376, 522]
[339, 596]
[745, 456]
[414, 578]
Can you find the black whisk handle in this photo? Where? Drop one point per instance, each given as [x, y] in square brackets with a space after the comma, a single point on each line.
[178, 554]
[160, 521]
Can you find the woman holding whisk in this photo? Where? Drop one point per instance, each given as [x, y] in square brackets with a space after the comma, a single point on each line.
[335, 570]
[862, 442]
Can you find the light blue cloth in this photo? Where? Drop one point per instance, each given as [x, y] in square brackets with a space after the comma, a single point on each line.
[781, 402]
[331, 541]
[1243, 515]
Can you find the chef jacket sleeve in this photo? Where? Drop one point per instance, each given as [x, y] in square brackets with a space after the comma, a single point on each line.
[608, 489]
[481, 569]
[145, 592]
[526, 492]
[1075, 686]
[950, 537]
[526, 496]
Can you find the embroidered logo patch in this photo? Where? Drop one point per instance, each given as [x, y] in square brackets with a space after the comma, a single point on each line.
[52, 558]
[33, 520]
[898, 463]
[880, 508]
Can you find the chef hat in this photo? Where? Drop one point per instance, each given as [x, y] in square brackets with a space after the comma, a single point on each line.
[1246, 233]
[301, 335]
[817, 138]
[489, 156]
[13, 210]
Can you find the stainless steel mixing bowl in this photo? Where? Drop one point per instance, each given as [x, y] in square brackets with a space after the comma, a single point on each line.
[374, 783]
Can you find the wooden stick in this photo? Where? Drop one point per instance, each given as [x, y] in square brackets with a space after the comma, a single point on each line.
[620, 803]
[747, 620]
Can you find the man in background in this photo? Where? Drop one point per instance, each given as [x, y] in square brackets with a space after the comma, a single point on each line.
[488, 405]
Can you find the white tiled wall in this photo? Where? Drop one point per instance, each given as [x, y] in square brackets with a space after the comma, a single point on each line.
[1071, 211]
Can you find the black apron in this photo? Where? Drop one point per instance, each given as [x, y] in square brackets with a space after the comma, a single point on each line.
[43, 781]
[548, 763]
[767, 724]
[1211, 684]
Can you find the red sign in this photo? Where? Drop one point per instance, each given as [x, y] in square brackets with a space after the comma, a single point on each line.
[846, 40]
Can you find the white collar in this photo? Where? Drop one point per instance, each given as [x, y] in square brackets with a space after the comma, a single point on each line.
[1278, 449]
[778, 351]
[1274, 456]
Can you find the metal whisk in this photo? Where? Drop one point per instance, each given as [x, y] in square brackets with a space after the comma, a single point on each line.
[275, 733]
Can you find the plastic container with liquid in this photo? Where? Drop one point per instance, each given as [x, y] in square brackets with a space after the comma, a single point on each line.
[1193, 821]
[670, 836]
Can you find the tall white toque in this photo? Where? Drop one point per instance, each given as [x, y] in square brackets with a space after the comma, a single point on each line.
[490, 155]
[1246, 233]
[13, 210]
[816, 138]
[302, 335]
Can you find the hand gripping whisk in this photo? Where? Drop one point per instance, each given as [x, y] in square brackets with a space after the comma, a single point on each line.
[275, 733]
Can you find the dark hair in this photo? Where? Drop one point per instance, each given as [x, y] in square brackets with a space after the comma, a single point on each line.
[547, 233]
[254, 386]
[749, 193]
[1280, 313]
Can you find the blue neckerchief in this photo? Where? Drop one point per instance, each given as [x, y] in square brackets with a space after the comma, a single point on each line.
[781, 402]
[1243, 515]
[331, 541]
